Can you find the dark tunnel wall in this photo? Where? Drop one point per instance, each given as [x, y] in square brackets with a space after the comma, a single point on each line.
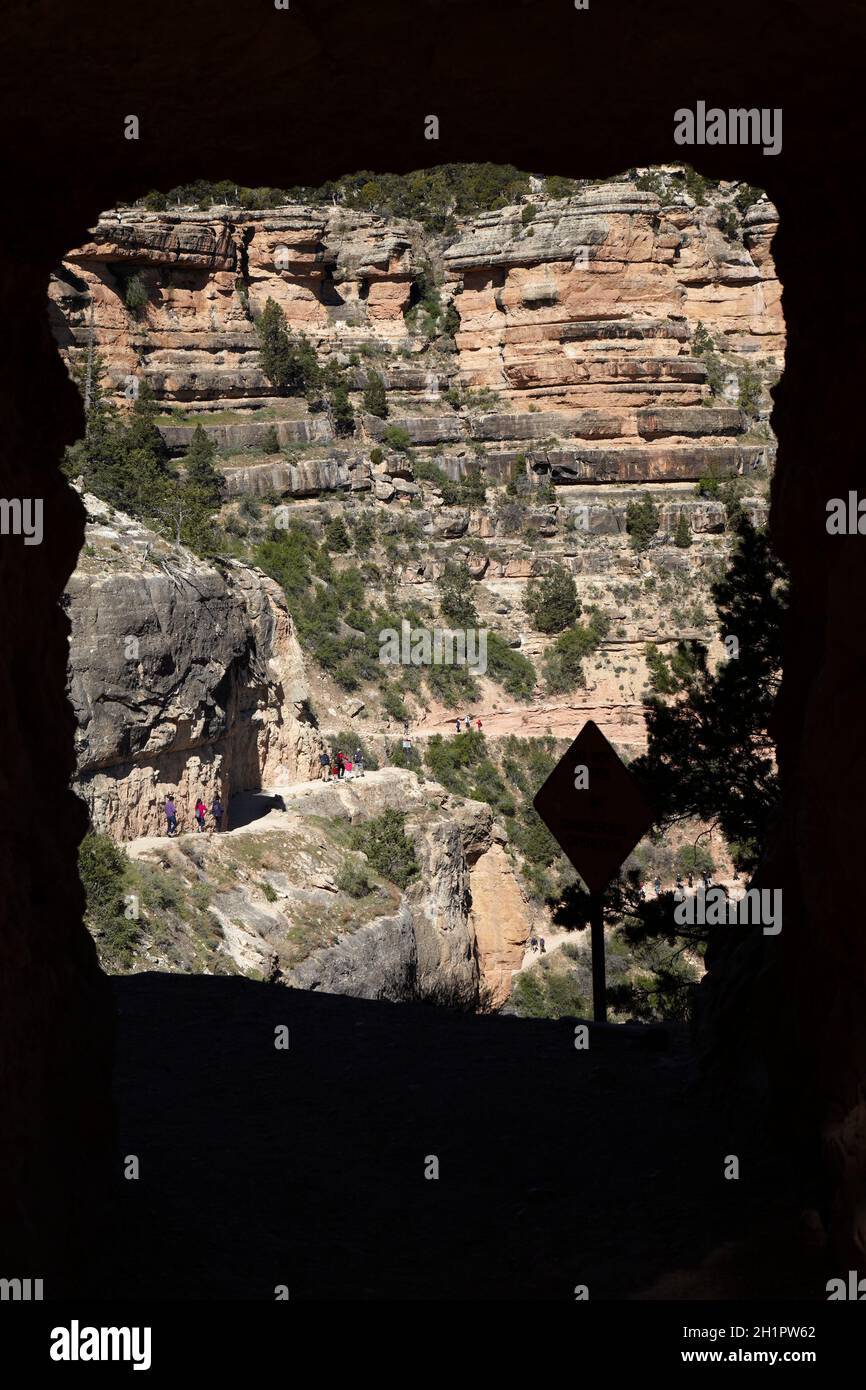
[281, 97]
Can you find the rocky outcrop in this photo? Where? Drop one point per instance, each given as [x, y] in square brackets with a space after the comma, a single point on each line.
[275, 909]
[184, 678]
[594, 300]
[502, 923]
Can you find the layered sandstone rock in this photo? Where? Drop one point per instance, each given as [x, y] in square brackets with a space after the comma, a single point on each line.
[582, 320]
[595, 301]
[184, 678]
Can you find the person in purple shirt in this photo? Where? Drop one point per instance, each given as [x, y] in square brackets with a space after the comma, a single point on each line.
[171, 815]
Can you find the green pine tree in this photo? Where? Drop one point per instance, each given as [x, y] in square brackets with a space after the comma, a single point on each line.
[199, 471]
[551, 601]
[375, 401]
[710, 747]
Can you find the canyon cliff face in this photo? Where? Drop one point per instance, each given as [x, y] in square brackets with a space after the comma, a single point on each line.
[185, 678]
[588, 306]
[572, 361]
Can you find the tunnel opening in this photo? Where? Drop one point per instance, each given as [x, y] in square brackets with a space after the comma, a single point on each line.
[819, 968]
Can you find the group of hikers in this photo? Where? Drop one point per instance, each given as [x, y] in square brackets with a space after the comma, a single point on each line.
[200, 813]
[706, 878]
[337, 764]
[467, 722]
[536, 945]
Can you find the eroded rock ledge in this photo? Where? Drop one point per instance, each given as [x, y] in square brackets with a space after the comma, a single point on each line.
[183, 676]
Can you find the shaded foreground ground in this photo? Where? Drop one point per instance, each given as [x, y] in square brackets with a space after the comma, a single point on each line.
[305, 1167]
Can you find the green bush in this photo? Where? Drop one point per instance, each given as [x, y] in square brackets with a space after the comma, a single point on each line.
[555, 186]
[641, 522]
[342, 413]
[563, 660]
[683, 532]
[695, 859]
[397, 438]
[102, 870]
[745, 196]
[289, 366]
[749, 392]
[201, 475]
[337, 538]
[510, 668]
[352, 878]
[392, 703]
[375, 401]
[364, 530]
[450, 321]
[551, 601]
[384, 841]
[270, 442]
[701, 340]
[456, 599]
[135, 295]
[708, 487]
[696, 186]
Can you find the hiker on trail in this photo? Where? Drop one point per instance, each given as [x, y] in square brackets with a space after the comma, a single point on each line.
[457, 722]
[341, 765]
[359, 763]
[478, 722]
[216, 811]
[533, 943]
[689, 880]
[658, 885]
[325, 764]
[468, 722]
[541, 946]
[200, 813]
[171, 815]
[348, 765]
[405, 726]
[706, 877]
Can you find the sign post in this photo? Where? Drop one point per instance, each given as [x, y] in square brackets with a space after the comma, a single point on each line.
[599, 977]
[595, 810]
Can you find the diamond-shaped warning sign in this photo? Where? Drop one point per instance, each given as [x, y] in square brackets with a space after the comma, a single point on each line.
[594, 808]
